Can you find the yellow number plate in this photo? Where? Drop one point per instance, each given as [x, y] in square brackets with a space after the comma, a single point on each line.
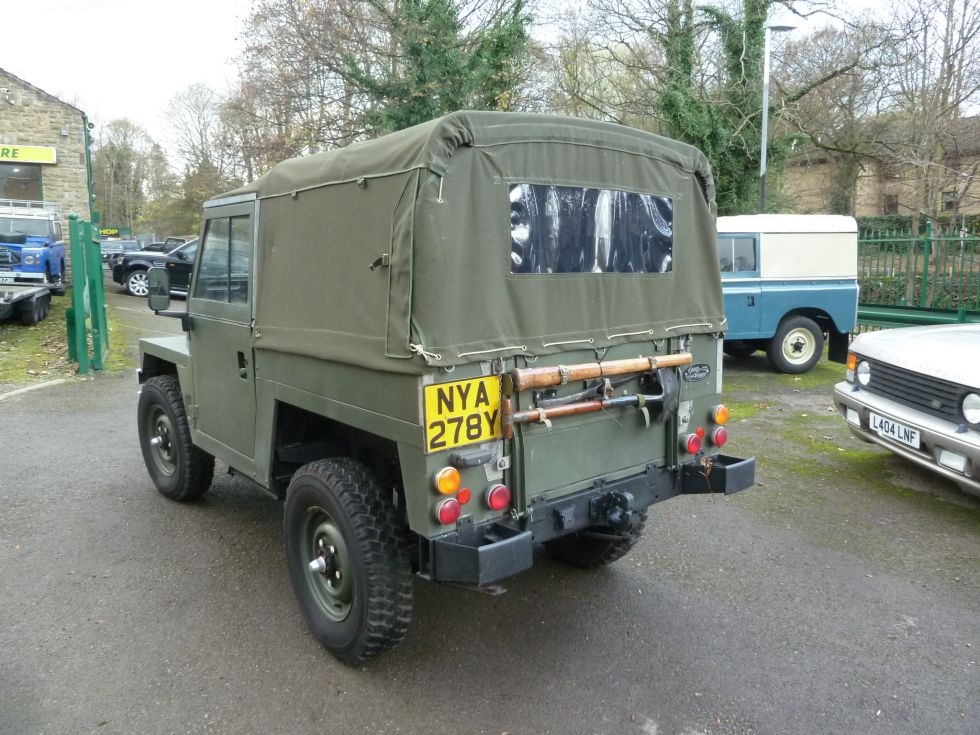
[463, 412]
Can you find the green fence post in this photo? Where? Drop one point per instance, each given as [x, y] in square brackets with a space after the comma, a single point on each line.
[77, 336]
[926, 253]
[96, 296]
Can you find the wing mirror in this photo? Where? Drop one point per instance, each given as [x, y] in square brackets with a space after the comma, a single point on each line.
[159, 294]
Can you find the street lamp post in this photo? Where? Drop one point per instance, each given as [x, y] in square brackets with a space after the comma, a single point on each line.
[770, 29]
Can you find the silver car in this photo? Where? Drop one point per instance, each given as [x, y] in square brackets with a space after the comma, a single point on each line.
[916, 391]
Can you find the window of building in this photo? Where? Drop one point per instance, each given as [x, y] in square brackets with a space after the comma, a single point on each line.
[20, 181]
[949, 201]
[891, 204]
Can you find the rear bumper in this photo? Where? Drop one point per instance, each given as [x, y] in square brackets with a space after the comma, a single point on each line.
[484, 553]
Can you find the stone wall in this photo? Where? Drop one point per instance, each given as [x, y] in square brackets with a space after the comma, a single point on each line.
[30, 116]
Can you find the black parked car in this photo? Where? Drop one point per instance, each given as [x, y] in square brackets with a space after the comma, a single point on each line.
[129, 270]
[112, 248]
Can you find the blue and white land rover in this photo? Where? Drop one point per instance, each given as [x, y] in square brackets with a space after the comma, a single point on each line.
[790, 283]
[32, 247]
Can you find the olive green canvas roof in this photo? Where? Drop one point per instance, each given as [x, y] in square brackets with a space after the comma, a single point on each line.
[431, 146]
[430, 207]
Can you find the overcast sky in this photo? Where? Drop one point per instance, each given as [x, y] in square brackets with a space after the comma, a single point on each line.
[123, 58]
[128, 58]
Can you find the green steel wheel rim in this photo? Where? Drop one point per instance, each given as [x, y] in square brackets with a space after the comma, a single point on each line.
[160, 433]
[333, 588]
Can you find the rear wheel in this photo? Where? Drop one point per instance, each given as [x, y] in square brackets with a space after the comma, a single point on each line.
[347, 563]
[594, 546]
[180, 470]
[137, 284]
[796, 346]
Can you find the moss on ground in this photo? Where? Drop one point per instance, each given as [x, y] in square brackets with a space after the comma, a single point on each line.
[40, 352]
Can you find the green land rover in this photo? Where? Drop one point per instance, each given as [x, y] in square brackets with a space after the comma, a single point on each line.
[444, 346]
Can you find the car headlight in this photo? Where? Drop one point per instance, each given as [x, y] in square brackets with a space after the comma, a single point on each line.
[971, 408]
[864, 372]
[29, 260]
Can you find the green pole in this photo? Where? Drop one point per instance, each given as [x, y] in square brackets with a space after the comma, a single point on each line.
[926, 253]
[77, 337]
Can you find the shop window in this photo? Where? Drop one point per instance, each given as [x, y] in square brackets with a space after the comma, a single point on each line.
[20, 181]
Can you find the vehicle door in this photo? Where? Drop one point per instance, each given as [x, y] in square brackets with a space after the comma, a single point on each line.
[180, 263]
[738, 257]
[220, 309]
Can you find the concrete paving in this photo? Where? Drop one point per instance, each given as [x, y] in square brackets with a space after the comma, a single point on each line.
[805, 605]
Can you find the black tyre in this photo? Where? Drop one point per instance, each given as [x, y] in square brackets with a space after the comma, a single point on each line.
[739, 349]
[796, 346]
[32, 312]
[137, 283]
[180, 470]
[358, 602]
[57, 283]
[588, 551]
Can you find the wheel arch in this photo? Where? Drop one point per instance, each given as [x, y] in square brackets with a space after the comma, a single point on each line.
[300, 435]
[824, 320]
[154, 365]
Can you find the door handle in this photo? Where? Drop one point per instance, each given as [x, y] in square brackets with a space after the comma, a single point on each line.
[750, 301]
[242, 366]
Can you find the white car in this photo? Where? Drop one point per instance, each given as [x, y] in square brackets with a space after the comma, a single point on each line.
[916, 391]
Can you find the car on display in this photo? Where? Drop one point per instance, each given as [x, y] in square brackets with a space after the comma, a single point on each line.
[916, 392]
[789, 280]
[113, 247]
[441, 366]
[32, 245]
[129, 269]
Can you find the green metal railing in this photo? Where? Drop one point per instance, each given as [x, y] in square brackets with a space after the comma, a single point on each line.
[88, 328]
[929, 278]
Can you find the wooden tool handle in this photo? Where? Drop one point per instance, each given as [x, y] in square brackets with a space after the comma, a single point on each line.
[527, 378]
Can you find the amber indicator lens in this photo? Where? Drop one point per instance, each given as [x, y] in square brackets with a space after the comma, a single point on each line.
[719, 414]
[446, 480]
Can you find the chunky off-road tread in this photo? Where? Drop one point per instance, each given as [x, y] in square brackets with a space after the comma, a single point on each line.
[195, 467]
[581, 551]
[378, 537]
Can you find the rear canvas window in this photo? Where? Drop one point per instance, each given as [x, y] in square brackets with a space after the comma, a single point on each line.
[571, 229]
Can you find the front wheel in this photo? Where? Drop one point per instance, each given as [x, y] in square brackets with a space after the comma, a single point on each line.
[137, 284]
[597, 546]
[347, 563]
[796, 346]
[56, 283]
[180, 470]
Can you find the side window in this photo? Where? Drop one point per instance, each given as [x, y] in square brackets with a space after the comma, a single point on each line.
[57, 231]
[736, 254]
[223, 270]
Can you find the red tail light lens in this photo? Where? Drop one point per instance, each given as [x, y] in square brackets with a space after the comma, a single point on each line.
[498, 497]
[692, 444]
[463, 496]
[719, 436]
[448, 511]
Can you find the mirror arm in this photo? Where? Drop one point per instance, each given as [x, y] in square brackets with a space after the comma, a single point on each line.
[185, 318]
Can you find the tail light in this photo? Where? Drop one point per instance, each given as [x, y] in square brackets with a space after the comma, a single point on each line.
[446, 480]
[692, 443]
[719, 414]
[463, 496]
[498, 497]
[719, 436]
[448, 511]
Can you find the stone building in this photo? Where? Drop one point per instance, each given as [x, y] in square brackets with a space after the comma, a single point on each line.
[886, 183]
[43, 148]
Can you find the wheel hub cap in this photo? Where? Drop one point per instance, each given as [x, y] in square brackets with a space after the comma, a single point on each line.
[328, 565]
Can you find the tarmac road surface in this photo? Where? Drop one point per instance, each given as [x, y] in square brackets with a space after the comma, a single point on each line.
[809, 604]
